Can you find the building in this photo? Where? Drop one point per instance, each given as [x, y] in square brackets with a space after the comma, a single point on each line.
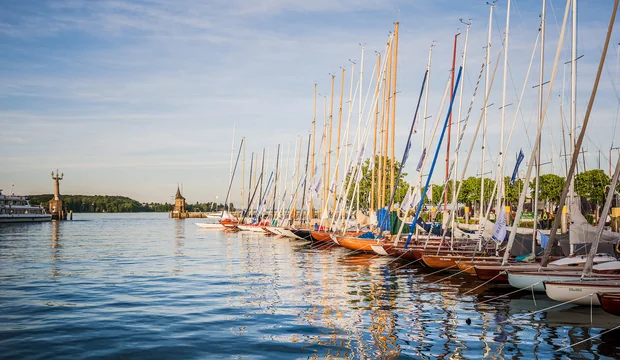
[179, 211]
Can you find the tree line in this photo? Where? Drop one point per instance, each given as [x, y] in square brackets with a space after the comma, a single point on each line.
[116, 204]
[589, 185]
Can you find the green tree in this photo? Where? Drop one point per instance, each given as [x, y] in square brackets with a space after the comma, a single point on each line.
[591, 185]
[512, 192]
[366, 182]
[549, 187]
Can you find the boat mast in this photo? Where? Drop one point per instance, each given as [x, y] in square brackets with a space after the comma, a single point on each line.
[243, 175]
[458, 135]
[395, 66]
[250, 182]
[500, 176]
[275, 189]
[543, 22]
[303, 196]
[359, 114]
[386, 126]
[484, 125]
[338, 138]
[573, 100]
[350, 112]
[323, 149]
[313, 137]
[577, 146]
[374, 135]
[328, 186]
[262, 171]
[445, 193]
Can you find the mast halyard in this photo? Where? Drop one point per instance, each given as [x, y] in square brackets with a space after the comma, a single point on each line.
[445, 197]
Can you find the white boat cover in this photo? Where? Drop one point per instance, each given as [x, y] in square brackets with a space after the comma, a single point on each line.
[583, 233]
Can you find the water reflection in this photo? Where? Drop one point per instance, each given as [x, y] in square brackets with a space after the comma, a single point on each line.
[56, 247]
[247, 295]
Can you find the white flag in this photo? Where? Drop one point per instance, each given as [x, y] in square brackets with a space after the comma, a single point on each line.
[406, 203]
[499, 230]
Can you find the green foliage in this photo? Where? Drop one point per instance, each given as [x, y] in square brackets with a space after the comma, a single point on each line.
[512, 192]
[591, 185]
[366, 182]
[549, 187]
[116, 204]
[470, 192]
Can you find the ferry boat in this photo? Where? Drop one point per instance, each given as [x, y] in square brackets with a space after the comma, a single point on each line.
[17, 209]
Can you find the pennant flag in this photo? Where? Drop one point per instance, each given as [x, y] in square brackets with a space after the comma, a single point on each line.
[516, 170]
[544, 239]
[332, 188]
[372, 164]
[406, 203]
[406, 155]
[429, 193]
[499, 230]
[421, 162]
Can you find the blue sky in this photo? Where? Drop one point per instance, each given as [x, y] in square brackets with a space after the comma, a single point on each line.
[132, 97]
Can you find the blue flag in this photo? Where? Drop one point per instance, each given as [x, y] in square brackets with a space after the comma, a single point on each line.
[516, 170]
[421, 161]
[406, 155]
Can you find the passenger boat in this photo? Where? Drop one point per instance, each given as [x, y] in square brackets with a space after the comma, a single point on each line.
[18, 209]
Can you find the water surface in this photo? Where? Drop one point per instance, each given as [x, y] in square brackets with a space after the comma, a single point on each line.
[145, 286]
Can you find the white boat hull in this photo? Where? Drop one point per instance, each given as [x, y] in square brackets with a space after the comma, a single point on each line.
[379, 250]
[24, 218]
[577, 293]
[523, 281]
[210, 226]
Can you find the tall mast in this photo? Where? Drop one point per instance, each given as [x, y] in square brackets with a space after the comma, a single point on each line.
[324, 147]
[312, 140]
[303, 195]
[428, 69]
[386, 125]
[394, 69]
[262, 171]
[296, 184]
[328, 184]
[350, 111]
[458, 133]
[232, 155]
[243, 175]
[541, 79]
[500, 189]
[338, 138]
[359, 114]
[445, 193]
[374, 136]
[381, 164]
[275, 189]
[484, 127]
[573, 93]
[250, 186]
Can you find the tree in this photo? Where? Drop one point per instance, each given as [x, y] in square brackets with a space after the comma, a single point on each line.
[549, 187]
[512, 192]
[366, 182]
[591, 185]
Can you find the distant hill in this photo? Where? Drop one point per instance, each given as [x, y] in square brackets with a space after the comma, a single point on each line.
[116, 204]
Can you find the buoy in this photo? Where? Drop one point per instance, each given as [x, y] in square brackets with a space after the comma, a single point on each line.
[468, 321]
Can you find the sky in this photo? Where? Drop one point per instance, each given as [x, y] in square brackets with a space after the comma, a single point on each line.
[134, 97]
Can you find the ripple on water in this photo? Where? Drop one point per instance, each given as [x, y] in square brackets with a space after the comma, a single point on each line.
[145, 286]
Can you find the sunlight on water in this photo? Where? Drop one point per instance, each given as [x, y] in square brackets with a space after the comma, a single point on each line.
[144, 286]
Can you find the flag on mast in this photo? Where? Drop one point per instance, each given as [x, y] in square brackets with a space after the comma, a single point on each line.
[499, 230]
[516, 170]
[421, 161]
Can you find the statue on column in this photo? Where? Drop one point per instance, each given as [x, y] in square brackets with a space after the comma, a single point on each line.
[56, 205]
[57, 184]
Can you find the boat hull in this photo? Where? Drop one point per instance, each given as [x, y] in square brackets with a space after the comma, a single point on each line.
[577, 292]
[355, 243]
[24, 218]
[610, 302]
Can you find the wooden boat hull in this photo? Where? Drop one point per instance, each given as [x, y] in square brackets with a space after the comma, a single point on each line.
[494, 274]
[610, 302]
[446, 261]
[468, 266]
[302, 234]
[354, 243]
[576, 291]
[321, 236]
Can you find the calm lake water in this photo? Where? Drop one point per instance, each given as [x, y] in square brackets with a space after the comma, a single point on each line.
[145, 286]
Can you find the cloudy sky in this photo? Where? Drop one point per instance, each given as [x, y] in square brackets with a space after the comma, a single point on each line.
[132, 97]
